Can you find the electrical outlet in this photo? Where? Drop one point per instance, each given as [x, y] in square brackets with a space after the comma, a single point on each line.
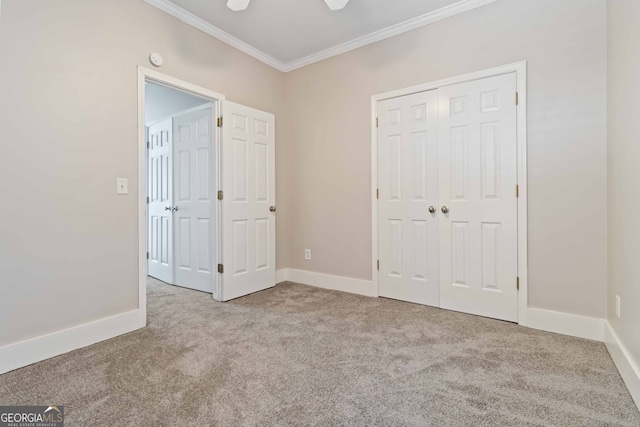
[307, 254]
[618, 306]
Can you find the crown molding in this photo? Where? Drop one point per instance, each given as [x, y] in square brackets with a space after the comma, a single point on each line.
[385, 33]
[213, 31]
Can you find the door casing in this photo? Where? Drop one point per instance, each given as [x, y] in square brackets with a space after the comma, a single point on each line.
[520, 68]
[216, 99]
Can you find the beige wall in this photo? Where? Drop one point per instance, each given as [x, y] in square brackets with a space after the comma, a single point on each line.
[624, 171]
[328, 139]
[68, 89]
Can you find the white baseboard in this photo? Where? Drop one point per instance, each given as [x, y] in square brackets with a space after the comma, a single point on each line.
[628, 367]
[281, 275]
[327, 281]
[23, 353]
[574, 325]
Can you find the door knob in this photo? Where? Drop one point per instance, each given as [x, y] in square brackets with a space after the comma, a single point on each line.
[445, 210]
[175, 208]
[272, 208]
[432, 209]
[167, 208]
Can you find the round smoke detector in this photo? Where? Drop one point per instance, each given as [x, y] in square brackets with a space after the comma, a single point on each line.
[156, 59]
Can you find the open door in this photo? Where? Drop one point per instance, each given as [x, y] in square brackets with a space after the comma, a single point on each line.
[194, 252]
[248, 201]
[160, 199]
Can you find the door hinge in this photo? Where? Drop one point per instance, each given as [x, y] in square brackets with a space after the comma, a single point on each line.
[220, 268]
[220, 121]
[147, 255]
[517, 283]
[148, 144]
[147, 199]
[377, 193]
[517, 191]
[377, 125]
[220, 195]
[378, 264]
[517, 98]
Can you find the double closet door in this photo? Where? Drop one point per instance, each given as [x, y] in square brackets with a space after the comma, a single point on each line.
[447, 197]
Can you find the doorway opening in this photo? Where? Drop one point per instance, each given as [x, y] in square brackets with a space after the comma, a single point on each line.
[216, 201]
[181, 178]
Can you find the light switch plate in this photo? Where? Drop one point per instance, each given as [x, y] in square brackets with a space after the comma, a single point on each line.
[122, 186]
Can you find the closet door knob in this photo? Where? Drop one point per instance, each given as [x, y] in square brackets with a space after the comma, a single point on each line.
[272, 208]
[432, 209]
[445, 210]
[167, 208]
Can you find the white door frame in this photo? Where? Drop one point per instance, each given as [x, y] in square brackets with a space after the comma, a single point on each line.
[520, 68]
[145, 74]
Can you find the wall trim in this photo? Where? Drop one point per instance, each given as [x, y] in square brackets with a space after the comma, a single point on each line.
[574, 325]
[281, 275]
[385, 33]
[204, 26]
[327, 281]
[376, 36]
[23, 353]
[628, 367]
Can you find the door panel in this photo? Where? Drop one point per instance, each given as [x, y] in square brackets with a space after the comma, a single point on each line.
[408, 185]
[160, 264]
[478, 176]
[193, 178]
[249, 191]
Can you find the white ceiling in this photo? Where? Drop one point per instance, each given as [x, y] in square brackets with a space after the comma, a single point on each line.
[288, 34]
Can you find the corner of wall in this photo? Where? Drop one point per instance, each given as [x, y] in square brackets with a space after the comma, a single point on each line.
[628, 367]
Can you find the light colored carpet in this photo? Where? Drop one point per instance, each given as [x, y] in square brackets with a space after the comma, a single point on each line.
[296, 355]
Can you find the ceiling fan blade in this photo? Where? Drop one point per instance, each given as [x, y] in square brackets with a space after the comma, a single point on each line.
[336, 4]
[237, 5]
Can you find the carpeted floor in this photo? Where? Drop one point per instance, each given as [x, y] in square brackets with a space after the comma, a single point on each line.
[296, 355]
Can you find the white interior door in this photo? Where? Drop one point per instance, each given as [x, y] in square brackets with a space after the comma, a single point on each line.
[408, 187]
[478, 235]
[160, 264]
[194, 190]
[248, 224]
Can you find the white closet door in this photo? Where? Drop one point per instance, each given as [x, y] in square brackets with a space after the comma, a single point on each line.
[249, 225]
[160, 264]
[408, 186]
[478, 235]
[193, 195]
